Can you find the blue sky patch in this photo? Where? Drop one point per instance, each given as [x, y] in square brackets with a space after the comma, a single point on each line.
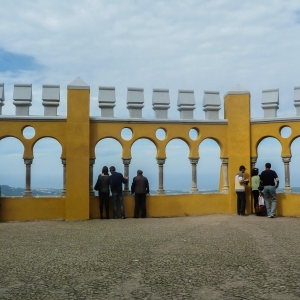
[16, 62]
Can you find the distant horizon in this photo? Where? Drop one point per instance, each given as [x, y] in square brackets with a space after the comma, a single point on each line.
[57, 191]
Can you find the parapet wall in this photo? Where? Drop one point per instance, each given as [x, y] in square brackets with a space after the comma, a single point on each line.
[78, 133]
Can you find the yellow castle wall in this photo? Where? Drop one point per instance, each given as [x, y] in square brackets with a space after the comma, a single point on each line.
[78, 136]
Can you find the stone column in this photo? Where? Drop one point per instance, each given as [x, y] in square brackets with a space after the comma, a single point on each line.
[253, 162]
[63, 192]
[194, 162]
[126, 162]
[28, 192]
[161, 162]
[287, 188]
[92, 162]
[225, 189]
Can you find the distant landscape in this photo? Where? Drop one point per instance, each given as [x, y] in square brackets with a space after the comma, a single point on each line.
[12, 191]
[18, 192]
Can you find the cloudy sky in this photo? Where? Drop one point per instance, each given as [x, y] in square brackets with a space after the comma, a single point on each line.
[195, 45]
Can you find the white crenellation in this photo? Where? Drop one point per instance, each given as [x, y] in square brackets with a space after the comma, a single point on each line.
[2, 97]
[22, 98]
[161, 103]
[211, 105]
[270, 103]
[297, 100]
[51, 99]
[186, 104]
[135, 102]
[107, 101]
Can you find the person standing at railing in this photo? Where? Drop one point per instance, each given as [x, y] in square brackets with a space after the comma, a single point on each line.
[102, 186]
[240, 184]
[116, 180]
[255, 182]
[270, 181]
[140, 187]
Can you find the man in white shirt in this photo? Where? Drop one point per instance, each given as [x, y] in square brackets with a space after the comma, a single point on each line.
[240, 184]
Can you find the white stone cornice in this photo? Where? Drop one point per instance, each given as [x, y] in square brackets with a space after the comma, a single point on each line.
[158, 121]
[275, 120]
[34, 118]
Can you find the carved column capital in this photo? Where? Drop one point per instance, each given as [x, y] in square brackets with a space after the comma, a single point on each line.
[286, 159]
[160, 160]
[126, 161]
[28, 161]
[224, 160]
[63, 161]
[92, 161]
[253, 159]
[194, 160]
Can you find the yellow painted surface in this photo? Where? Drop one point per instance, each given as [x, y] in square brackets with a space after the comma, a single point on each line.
[171, 205]
[78, 136]
[102, 130]
[77, 155]
[261, 131]
[34, 208]
[237, 111]
[56, 130]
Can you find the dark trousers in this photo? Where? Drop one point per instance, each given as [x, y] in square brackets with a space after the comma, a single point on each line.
[255, 198]
[241, 202]
[104, 200]
[140, 203]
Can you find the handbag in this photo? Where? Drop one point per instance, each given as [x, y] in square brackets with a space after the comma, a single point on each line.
[260, 207]
[96, 187]
[261, 200]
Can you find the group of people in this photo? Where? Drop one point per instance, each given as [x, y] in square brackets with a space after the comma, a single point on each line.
[114, 183]
[266, 184]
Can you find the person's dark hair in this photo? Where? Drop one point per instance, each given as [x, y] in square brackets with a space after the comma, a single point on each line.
[105, 170]
[254, 172]
[112, 169]
[139, 172]
[268, 165]
[242, 168]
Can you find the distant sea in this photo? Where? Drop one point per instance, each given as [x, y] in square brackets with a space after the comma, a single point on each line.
[12, 191]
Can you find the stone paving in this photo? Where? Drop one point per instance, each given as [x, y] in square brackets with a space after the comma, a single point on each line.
[201, 257]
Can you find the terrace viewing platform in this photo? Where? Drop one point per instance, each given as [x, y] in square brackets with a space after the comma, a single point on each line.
[237, 136]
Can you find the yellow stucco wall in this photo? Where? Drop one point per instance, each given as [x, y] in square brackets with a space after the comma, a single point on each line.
[33, 208]
[77, 154]
[78, 136]
[172, 205]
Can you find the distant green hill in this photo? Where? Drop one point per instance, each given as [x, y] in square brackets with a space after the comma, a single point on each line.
[12, 191]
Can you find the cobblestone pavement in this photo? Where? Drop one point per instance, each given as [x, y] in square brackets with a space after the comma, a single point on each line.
[202, 257]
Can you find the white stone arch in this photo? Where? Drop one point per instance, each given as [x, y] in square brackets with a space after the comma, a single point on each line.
[12, 170]
[47, 167]
[108, 152]
[143, 153]
[177, 167]
[209, 166]
[269, 150]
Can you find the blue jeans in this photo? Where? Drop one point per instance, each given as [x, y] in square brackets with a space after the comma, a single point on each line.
[115, 197]
[270, 194]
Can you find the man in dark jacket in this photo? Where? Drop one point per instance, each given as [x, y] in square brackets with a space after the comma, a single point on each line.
[115, 181]
[140, 187]
[269, 179]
